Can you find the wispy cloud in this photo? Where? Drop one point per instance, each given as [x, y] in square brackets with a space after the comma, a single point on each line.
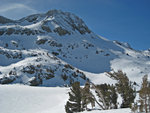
[16, 10]
[9, 7]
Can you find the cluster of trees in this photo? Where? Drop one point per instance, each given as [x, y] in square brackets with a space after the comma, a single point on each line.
[104, 95]
[124, 87]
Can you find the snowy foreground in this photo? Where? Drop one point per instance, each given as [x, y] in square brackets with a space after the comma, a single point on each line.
[27, 99]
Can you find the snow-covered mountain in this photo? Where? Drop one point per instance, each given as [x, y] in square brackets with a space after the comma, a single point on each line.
[57, 48]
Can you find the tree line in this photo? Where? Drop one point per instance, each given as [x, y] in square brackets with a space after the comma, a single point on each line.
[104, 95]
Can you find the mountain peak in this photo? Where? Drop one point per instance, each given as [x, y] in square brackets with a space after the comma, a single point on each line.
[67, 21]
[54, 11]
[54, 21]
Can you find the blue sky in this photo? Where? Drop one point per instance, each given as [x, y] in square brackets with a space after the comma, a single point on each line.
[122, 20]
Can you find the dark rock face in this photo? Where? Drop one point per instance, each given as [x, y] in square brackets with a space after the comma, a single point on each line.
[4, 20]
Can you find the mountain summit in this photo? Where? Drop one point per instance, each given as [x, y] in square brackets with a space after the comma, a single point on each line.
[54, 21]
[57, 48]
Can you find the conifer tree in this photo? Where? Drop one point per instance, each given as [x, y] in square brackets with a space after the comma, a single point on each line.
[87, 96]
[101, 102]
[124, 87]
[144, 94]
[110, 96]
[74, 103]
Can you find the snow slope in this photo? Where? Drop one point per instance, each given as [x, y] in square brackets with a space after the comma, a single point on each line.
[38, 67]
[25, 99]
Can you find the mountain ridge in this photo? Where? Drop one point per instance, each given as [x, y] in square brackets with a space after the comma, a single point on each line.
[28, 43]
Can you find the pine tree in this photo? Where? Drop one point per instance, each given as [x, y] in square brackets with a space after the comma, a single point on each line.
[124, 87]
[87, 96]
[144, 94]
[74, 103]
[110, 96]
[101, 102]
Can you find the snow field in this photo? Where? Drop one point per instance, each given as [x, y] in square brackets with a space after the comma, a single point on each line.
[27, 99]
